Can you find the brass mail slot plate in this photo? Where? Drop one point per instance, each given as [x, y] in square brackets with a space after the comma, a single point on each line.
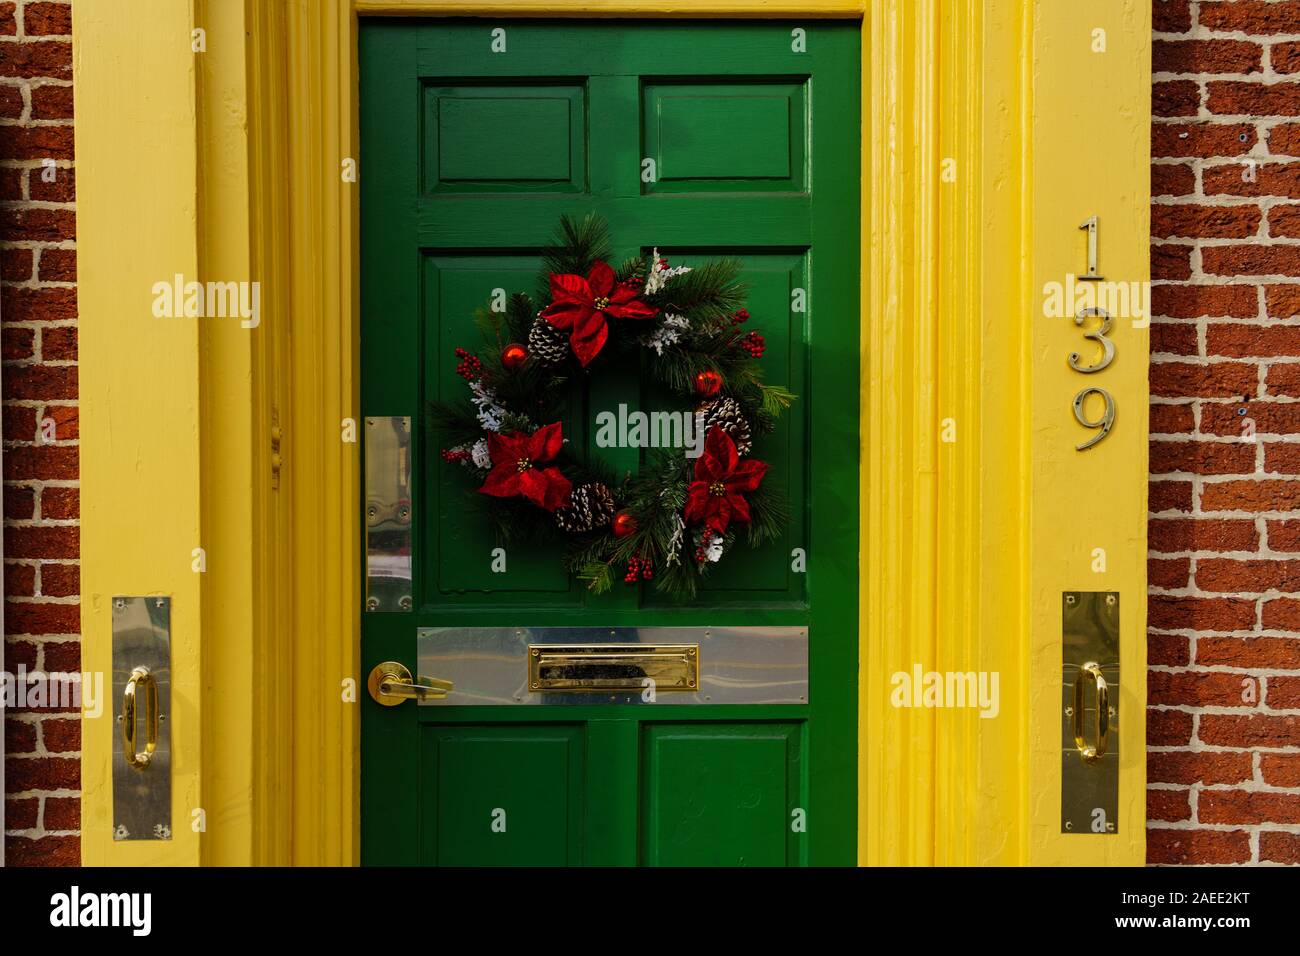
[588, 667]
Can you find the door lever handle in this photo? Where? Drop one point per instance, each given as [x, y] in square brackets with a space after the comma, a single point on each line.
[1091, 673]
[390, 683]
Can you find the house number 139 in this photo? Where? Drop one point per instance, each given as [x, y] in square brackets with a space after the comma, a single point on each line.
[1098, 335]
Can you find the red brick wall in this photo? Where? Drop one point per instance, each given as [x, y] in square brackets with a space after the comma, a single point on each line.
[39, 297]
[1224, 643]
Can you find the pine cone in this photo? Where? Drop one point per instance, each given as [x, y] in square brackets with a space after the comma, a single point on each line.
[546, 343]
[725, 413]
[590, 506]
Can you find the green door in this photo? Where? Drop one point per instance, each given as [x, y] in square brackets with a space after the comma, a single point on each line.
[476, 137]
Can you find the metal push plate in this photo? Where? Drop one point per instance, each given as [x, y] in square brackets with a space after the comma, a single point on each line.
[142, 797]
[1090, 735]
[388, 513]
[604, 665]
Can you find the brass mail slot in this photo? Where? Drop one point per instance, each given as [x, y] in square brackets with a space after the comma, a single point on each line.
[589, 667]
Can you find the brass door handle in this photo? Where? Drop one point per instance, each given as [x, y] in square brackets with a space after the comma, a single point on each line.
[135, 758]
[1087, 753]
[390, 683]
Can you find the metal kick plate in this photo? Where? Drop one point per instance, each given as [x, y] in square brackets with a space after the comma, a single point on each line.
[142, 798]
[1089, 787]
[733, 665]
[388, 513]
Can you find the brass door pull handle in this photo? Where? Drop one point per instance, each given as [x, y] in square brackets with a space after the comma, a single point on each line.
[390, 683]
[140, 679]
[1091, 673]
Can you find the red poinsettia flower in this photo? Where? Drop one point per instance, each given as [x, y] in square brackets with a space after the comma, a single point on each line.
[580, 307]
[515, 471]
[714, 497]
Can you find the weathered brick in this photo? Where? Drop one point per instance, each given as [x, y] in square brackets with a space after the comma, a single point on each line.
[1171, 16]
[1284, 139]
[1206, 56]
[20, 579]
[44, 58]
[1168, 650]
[62, 813]
[1281, 614]
[1197, 221]
[1197, 380]
[1282, 458]
[1280, 770]
[1242, 98]
[1171, 613]
[42, 773]
[1283, 379]
[62, 187]
[60, 580]
[47, 19]
[35, 617]
[38, 225]
[1181, 847]
[1168, 572]
[62, 734]
[1283, 693]
[1282, 653]
[1172, 98]
[1237, 340]
[41, 382]
[36, 142]
[1168, 728]
[1279, 846]
[61, 541]
[1196, 301]
[60, 503]
[43, 851]
[1250, 730]
[58, 265]
[1245, 806]
[1169, 495]
[1202, 139]
[1270, 418]
[1249, 577]
[1270, 495]
[1169, 804]
[1172, 179]
[59, 344]
[1284, 56]
[1282, 300]
[1207, 767]
[1251, 16]
[1170, 419]
[1202, 534]
[1284, 221]
[1253, 260]
[1197, 688]
[21, 813]
[1171, 261]
[1262, 179]
[1203, 458]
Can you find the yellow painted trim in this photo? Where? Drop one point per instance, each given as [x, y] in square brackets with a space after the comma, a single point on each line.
[752, 9]
[968, 544]
[963, 553]
[141, 477]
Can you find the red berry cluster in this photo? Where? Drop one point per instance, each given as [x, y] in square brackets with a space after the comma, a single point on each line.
[639, 569]
[470, 367]
[740, 316]
[754, 344]
[454, 454]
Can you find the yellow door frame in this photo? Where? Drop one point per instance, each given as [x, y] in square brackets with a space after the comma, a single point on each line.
[980, 155]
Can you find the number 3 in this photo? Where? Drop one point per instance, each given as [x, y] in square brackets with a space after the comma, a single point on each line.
[1098, 336]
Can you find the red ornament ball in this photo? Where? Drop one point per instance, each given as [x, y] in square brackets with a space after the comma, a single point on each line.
[623, 524]
[514, 356]
[708, 383]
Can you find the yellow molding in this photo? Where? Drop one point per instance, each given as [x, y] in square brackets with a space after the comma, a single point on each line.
[962, 547]
[141, 478]
[752, 9]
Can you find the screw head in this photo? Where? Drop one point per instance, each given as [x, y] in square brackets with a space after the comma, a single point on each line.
[405, 602]
[372, 604]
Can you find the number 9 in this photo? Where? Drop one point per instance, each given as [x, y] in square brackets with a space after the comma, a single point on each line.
[1105, 423]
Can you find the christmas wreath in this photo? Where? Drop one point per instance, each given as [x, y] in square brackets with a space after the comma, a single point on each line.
[686, 329]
